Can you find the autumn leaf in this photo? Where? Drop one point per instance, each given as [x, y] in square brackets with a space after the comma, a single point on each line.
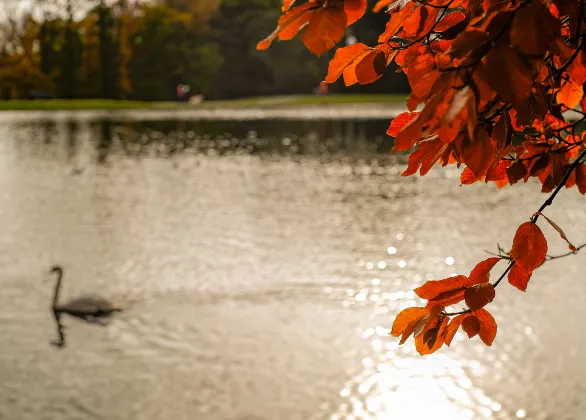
[508, 75]
[533, 29]
[432, 338]
[516, 171]
[407, 317]
[433, 288]
[452, 328]
[471, 325]
[559, 229]
[450, 20]
[424, 157]
[570, 94]
[343, 58]
[479, 295]
[401, 121]
[581, 178]
[354, 10]
[529, 247]
[480, 273]
[488, 326]
[287, 5]
[323, 24]
[519, 277]
[325, 29]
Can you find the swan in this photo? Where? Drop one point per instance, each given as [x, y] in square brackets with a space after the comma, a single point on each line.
[94, 309]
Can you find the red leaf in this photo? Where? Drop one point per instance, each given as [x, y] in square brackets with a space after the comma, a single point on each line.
[400, 121]
[508, 75]
[560, 231]
[425, 156]
[533, 30]
[479, 295]
[471, 325]
[343, 58]
[516, 171]
[406, 317]
[581, 178]
[290, 23]
[354, 10]
[518, 277]
[529, 247]
[453, 327]
[480, 273]
[449, 20]
[396, 22]
[488, 328]
[432, 338]
[467, 177]
[570, 94]
[433, 288]
[325, 29]
[451, 297]
[287, 4]
[480, 154]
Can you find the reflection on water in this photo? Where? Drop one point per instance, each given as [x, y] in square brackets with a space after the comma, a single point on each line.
[260, 265]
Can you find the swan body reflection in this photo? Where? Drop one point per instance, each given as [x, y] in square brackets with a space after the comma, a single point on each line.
[90, 308]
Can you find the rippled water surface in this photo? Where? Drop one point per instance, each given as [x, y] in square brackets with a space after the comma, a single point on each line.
[260, 265]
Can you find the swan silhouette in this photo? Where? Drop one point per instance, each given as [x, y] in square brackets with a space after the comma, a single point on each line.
[93, 309]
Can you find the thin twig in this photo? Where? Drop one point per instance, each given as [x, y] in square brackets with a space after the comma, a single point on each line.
[567, 254]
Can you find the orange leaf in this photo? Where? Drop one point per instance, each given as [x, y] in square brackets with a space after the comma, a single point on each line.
[518, 277]
[487, 331]
[467, 177]
[449, 20]
[433, 288]
[480, 154]
[432, 338]
[453, 327]
[471, 325]
[366, 69]
[533, 30]
[560, 231]
[529, 247]
[400, 121]
[354, 10]
[425, 156]
[343, 58]
[581, 178]
[451, 297]
[394, 5]
[396, 22]
[516, 171]
[290, 23]
[479, 295]
[570, 94]
[287, 4]
[324, 30]
[480, 273]
[406, 317]
[507, 74]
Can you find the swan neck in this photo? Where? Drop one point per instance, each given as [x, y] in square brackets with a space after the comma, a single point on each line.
[57, 288]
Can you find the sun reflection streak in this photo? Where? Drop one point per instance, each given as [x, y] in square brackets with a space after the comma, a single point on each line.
[394, 382]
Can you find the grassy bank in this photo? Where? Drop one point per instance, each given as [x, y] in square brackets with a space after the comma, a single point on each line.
[261, 102]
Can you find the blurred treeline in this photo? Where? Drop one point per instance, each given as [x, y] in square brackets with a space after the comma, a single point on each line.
[142, 49]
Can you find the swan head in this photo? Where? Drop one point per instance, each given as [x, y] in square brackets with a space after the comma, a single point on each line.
[56, 269]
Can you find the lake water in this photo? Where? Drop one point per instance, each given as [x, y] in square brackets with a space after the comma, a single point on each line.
[260, 265]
